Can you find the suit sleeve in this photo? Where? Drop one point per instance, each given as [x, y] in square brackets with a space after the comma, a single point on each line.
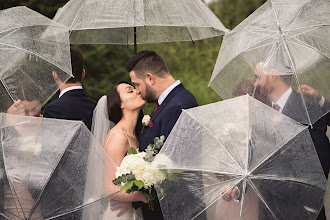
[169, 121]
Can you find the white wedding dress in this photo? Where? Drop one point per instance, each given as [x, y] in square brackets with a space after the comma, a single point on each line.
[101, 125]
[131, 214]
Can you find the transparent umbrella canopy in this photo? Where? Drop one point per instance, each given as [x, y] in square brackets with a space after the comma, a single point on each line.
[52, 169]
[129, 22]
[288, 38]
[31, 48]
[240, 145]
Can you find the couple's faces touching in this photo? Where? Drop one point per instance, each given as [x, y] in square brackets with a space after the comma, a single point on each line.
[144, 87]
[130, 99]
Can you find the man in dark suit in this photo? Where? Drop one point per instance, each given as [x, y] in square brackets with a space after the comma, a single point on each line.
[155, 84]
[284, 99]
[73, 103]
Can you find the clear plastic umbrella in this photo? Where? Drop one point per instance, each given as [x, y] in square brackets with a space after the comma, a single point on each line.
[241, 145]
[31, 48]
[52, 169]
[129, 22]
[282, 37]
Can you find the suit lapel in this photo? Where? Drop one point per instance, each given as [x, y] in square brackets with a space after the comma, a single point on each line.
[170, 96]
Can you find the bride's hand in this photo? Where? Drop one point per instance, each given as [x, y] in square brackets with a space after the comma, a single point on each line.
[119, 205]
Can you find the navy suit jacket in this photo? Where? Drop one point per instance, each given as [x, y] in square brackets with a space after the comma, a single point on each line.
[72, 105]
[282, 192]
[166, 115]
[163, 119]
[294, 109]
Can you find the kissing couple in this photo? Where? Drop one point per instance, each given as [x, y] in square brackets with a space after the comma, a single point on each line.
[117, 123]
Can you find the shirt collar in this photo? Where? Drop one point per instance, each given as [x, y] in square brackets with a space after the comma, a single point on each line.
[69, 89]
[163, 96]
[284, 98]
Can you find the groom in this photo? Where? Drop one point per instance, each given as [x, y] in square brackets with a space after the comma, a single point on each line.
[155, 84]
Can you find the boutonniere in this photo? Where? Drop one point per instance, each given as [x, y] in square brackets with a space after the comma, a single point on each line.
[146, 121]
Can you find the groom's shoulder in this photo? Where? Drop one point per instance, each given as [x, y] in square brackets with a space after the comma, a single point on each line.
[185, 98]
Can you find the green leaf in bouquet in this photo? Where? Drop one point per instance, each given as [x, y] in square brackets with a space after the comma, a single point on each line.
[139, 183]
[132, 150]
[127, 186]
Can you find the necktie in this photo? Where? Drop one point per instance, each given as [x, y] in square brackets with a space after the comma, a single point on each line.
[276, 107]
[156, 106]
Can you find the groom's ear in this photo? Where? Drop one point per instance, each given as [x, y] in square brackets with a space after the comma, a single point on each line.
[150, 78]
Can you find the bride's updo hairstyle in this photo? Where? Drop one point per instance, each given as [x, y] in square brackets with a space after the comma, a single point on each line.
[114, 110]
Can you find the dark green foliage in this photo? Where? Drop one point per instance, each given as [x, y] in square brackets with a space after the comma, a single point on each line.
[191, 63]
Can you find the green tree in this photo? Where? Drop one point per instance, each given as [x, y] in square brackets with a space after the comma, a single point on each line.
[192, 63]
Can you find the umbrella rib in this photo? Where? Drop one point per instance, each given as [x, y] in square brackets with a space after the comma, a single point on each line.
[261, 197]
[277, 20]
[299, 85]
[200, 170]
[215, 139]
[311, 26]
[247, 49]
[55, 166]
[285, 179]
[11, 31]
[309, 46]
[276, 150]
[262, 31]
[7, 89]
[309, 30]
[35, 55]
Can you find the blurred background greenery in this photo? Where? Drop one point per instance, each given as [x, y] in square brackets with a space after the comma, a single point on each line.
[192, 63]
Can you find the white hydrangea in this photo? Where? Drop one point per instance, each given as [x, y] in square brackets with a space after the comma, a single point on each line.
[143, 170]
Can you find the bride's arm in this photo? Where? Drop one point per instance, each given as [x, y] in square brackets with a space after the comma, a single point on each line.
[117, 147]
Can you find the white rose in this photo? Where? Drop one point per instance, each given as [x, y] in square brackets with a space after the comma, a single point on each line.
[146, 120]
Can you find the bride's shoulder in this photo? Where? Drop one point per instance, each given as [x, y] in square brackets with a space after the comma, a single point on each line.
[117, 136]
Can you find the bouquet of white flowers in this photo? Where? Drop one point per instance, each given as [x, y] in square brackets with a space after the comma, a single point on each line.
[137, 173]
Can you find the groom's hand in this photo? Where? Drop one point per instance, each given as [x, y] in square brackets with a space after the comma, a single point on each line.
[119, 205]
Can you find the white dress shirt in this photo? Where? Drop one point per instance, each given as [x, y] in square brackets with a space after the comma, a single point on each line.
[163, 96]
[69, 89]
[284, 98]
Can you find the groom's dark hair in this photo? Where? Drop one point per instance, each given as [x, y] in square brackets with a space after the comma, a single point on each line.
[147, 61]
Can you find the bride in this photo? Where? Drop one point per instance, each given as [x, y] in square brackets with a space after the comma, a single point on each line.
[122, 106]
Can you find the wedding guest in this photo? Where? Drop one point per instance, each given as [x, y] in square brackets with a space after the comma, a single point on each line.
[73, 103]
[287, 101]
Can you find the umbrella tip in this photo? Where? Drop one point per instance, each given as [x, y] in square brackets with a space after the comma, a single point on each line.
[227, 31]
